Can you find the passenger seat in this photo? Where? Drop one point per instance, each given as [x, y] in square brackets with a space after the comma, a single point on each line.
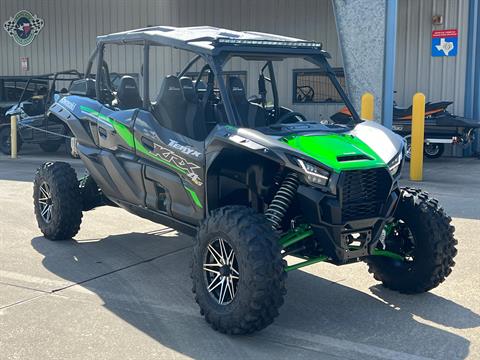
[127, 93]
[170, 107]
[194, 116]
[251, 115]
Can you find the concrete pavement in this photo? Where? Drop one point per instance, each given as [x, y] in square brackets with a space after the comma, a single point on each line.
[122, 290]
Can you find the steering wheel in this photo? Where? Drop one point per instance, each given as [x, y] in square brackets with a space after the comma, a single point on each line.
[290, 115]
[305, 93]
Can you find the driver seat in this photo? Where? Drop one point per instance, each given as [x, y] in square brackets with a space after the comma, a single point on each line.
[127, 94]
[251, 115]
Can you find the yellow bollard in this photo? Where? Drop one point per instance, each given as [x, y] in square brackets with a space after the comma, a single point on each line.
[367, 106]
[418, 132]
[13, 136]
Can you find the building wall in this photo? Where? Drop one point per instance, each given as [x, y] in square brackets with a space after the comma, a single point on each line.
[71, 26]
[439, 78]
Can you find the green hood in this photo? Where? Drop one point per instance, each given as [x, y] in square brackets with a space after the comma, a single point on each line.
[329, 150]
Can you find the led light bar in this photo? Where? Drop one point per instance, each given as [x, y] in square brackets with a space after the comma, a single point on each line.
[293, 44]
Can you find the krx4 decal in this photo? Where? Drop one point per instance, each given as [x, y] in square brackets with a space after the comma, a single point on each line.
[179, 162]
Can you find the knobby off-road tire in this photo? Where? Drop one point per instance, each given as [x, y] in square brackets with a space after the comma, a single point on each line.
[431, 257]
[56, 185]
[261, 277]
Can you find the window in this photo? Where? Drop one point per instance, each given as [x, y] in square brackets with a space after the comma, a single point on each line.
[314, 86]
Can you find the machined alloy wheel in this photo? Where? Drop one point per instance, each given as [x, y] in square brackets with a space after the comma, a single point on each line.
[57, 201]
[238, 271]
[221, 271]
[45, 202]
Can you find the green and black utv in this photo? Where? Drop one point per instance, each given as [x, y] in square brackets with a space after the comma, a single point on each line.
[255, 182]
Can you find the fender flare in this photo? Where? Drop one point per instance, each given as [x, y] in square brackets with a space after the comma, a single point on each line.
[72, 122]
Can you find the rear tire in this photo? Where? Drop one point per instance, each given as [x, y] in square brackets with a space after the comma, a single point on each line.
[50, 147]
[255, 272]
[424, 236]
[433, 151]
[57, 201]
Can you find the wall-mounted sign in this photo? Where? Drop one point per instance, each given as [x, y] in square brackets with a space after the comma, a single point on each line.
[23, 27]
[24, 63]
[444, 42]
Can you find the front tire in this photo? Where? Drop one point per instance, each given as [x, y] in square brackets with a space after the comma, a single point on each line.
[57, 201]
[423, 235]
[238, 271]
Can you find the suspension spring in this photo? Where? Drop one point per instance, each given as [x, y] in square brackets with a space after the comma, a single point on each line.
[282, 200]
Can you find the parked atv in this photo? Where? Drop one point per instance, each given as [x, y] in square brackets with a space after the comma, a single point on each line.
[262, 186]
[34, 126]
[441, 127]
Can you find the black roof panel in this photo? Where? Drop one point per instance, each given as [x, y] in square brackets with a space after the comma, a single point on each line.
[211, 40]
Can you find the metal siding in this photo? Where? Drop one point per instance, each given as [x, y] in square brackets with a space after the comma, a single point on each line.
[440, 78]
[68, 36]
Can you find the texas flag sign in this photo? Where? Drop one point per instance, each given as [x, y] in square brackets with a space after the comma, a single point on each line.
[444, 42]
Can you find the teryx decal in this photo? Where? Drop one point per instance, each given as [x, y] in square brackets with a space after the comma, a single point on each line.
[187, 150]
[178, 162]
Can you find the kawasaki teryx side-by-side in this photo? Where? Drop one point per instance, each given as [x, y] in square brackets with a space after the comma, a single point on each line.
[255, 182]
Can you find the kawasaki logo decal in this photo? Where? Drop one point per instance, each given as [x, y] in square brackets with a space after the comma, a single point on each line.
[179, 162]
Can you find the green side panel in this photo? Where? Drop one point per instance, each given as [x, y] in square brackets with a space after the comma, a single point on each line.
[122, 130]
[327, 148]
[194, 197]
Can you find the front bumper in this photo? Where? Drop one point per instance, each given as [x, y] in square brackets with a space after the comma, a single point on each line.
[334, 231]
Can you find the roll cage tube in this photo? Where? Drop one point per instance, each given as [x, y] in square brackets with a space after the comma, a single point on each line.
[146, 75]
[91, 59]
[216, 67]
[49, 77]
[56, 78]
[318, 60]
[273, 82]
[189, 65]
[99, 71]
[321, 61]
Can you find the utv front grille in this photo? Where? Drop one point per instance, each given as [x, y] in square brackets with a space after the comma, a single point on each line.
[363, 192]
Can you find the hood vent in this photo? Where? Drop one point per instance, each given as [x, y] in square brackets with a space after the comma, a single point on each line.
[356, 157]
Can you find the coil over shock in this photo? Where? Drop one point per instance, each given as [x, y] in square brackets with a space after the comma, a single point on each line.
[282, 200]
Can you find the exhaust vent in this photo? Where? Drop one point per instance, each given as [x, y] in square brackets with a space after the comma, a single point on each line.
[357, 157]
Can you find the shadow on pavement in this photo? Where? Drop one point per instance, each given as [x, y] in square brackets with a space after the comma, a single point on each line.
[453, 181]
[155, 297]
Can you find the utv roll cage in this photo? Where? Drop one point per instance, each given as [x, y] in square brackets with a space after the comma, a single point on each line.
[216, 46]
[67, 75]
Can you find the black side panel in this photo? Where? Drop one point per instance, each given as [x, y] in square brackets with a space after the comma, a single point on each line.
[119, 177]
[175, 199]
[175, 169]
